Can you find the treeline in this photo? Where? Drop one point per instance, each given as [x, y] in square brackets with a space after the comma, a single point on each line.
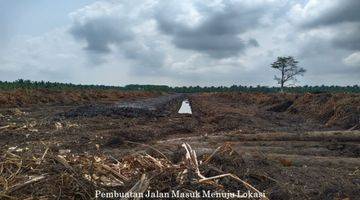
[239, 88]
[27, 84]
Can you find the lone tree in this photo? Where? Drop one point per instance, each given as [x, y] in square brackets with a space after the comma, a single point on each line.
[289, 70]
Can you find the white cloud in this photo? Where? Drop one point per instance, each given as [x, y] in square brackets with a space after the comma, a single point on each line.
[353, 59]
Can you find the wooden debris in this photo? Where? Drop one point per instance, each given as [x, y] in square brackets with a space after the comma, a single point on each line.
[117, 174]
[84, 174]
[21, 185]
[193, 165]
[58, 126]
[140, 186]
[5, 127]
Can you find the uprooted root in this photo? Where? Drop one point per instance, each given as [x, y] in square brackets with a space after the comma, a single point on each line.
[48, 175]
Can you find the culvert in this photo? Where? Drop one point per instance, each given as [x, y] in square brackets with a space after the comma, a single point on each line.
[185, 107]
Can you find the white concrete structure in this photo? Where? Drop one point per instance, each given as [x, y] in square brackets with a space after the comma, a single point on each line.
[185, 107]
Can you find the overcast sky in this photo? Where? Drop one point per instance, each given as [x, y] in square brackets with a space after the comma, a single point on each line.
[187, 42]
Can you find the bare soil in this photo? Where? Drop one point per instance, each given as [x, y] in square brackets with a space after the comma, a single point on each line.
[291, 146]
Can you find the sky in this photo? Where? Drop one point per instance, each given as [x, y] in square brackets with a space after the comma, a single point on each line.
[179, 43]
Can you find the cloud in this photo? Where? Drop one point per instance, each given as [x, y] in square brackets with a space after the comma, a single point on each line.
[340, 19]
[325, 13]
[347, 36]
[112, 27]
[101, 32]
[189, 42]
[253, 42]
[353, 59]
[217, 29]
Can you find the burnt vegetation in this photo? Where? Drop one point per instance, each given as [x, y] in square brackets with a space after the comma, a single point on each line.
[67, 141]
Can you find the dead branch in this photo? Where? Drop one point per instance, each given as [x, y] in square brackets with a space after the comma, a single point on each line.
[210, 157]
[140, 186]
[4, 127]
[192, 162]
[150, 147]
[63, 161]
[43, 156]
[117, 174]
[156, 162]
[21, 185]
[247, 185]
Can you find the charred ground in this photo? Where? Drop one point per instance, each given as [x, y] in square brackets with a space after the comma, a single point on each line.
[292, 146]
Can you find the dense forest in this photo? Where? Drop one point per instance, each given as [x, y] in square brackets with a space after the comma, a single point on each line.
[27, 84]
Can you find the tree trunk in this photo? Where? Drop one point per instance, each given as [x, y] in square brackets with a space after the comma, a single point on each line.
[282, 79]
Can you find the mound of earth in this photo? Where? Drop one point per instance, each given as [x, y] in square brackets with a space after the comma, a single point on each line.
[332, 110]
[341, 110]
[31, 97]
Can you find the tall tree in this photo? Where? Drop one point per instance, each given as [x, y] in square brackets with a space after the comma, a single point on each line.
[288, 68]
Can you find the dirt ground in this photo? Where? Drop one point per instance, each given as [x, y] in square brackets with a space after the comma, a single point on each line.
[289, 146]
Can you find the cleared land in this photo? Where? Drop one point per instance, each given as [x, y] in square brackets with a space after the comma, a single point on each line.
[291, 146]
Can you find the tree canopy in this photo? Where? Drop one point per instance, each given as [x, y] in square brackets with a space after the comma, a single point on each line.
[288, 68]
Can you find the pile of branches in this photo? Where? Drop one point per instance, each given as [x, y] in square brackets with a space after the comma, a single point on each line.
[50, 175]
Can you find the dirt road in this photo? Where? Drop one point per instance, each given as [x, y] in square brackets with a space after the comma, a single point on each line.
[157, 106]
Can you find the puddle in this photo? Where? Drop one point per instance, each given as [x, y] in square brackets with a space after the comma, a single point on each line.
[185, 107]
